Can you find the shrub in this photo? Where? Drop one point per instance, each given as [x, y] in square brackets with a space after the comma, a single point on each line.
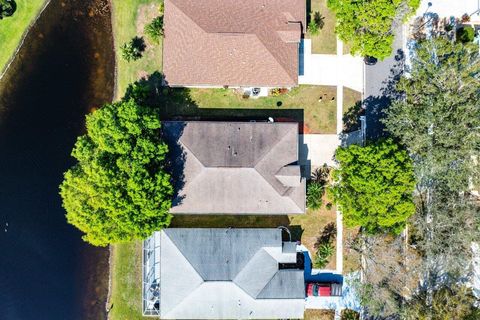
[321, 174]
[324, 252]
[348, 314]
[316, 187]
[275, 92]
[316, 23]
[133, 49]
[465, 34]
[154, 30]
[315, 191]
[7, 8]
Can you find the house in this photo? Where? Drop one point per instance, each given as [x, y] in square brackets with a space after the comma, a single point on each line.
[235, 167]
[222, 274]
[218, 43]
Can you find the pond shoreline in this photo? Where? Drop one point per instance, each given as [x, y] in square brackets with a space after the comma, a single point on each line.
[63, 69]
[24, 36]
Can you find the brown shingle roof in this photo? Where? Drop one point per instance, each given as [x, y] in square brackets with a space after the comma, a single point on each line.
[231, 42]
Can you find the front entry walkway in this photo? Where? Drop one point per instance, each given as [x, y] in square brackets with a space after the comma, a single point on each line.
[316, 150]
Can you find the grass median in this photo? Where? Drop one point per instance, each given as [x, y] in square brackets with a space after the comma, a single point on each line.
[13, 28]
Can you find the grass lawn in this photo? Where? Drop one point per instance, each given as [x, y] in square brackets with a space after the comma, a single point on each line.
[129, 18]
[300, 104]
[13, 28]
[325, 41]
[126, 291]
[352, 109]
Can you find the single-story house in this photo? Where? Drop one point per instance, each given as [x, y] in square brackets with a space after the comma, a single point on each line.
[218, 43]
[222, 274]
[235, 167]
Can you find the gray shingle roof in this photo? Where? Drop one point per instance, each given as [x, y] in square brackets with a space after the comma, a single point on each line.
[227, 273]
[235, 167]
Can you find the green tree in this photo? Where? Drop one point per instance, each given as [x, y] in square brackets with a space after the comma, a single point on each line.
[374, 185]
[438, 120]
[132, 50]
[154, 30]
[7, 8]
[437, 113]
[444, 303]
[367, 25]
[118, 191]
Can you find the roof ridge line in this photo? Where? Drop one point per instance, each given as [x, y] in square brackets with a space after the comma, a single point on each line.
[189, 262]
[191, 265]
[236, 284]
[269, 150]
[172, 2]
[274, 57]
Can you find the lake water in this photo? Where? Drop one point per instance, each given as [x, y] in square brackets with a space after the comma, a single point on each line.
[64, 70]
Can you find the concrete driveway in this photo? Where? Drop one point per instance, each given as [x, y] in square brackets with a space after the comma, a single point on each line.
[316, 150]
[331, 69]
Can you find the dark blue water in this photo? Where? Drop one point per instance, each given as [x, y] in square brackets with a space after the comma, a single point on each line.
[65, 68]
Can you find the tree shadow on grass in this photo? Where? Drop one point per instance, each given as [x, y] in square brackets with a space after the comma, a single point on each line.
[351, 118]
[177, 104]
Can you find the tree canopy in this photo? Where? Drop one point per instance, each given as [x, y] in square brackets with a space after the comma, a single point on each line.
[447, 302]
[374, 186]
[437, 117]
[367, 24]
[118, 191]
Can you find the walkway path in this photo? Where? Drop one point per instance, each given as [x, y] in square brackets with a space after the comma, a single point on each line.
[328, 70]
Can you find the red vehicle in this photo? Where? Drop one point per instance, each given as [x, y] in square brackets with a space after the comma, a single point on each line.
[324, 289]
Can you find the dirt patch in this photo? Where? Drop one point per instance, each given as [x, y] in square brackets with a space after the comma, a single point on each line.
[312, 314]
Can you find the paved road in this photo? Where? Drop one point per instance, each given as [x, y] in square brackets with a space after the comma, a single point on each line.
[377, 79]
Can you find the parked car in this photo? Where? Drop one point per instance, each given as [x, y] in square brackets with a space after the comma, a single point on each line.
[324, 289]
[370, 61]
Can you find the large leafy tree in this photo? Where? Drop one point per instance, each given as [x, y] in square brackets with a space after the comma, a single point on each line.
[374, 186]
[118, 190]
[438, 119]
[443, 303]
[368, 24]
[437, 115]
